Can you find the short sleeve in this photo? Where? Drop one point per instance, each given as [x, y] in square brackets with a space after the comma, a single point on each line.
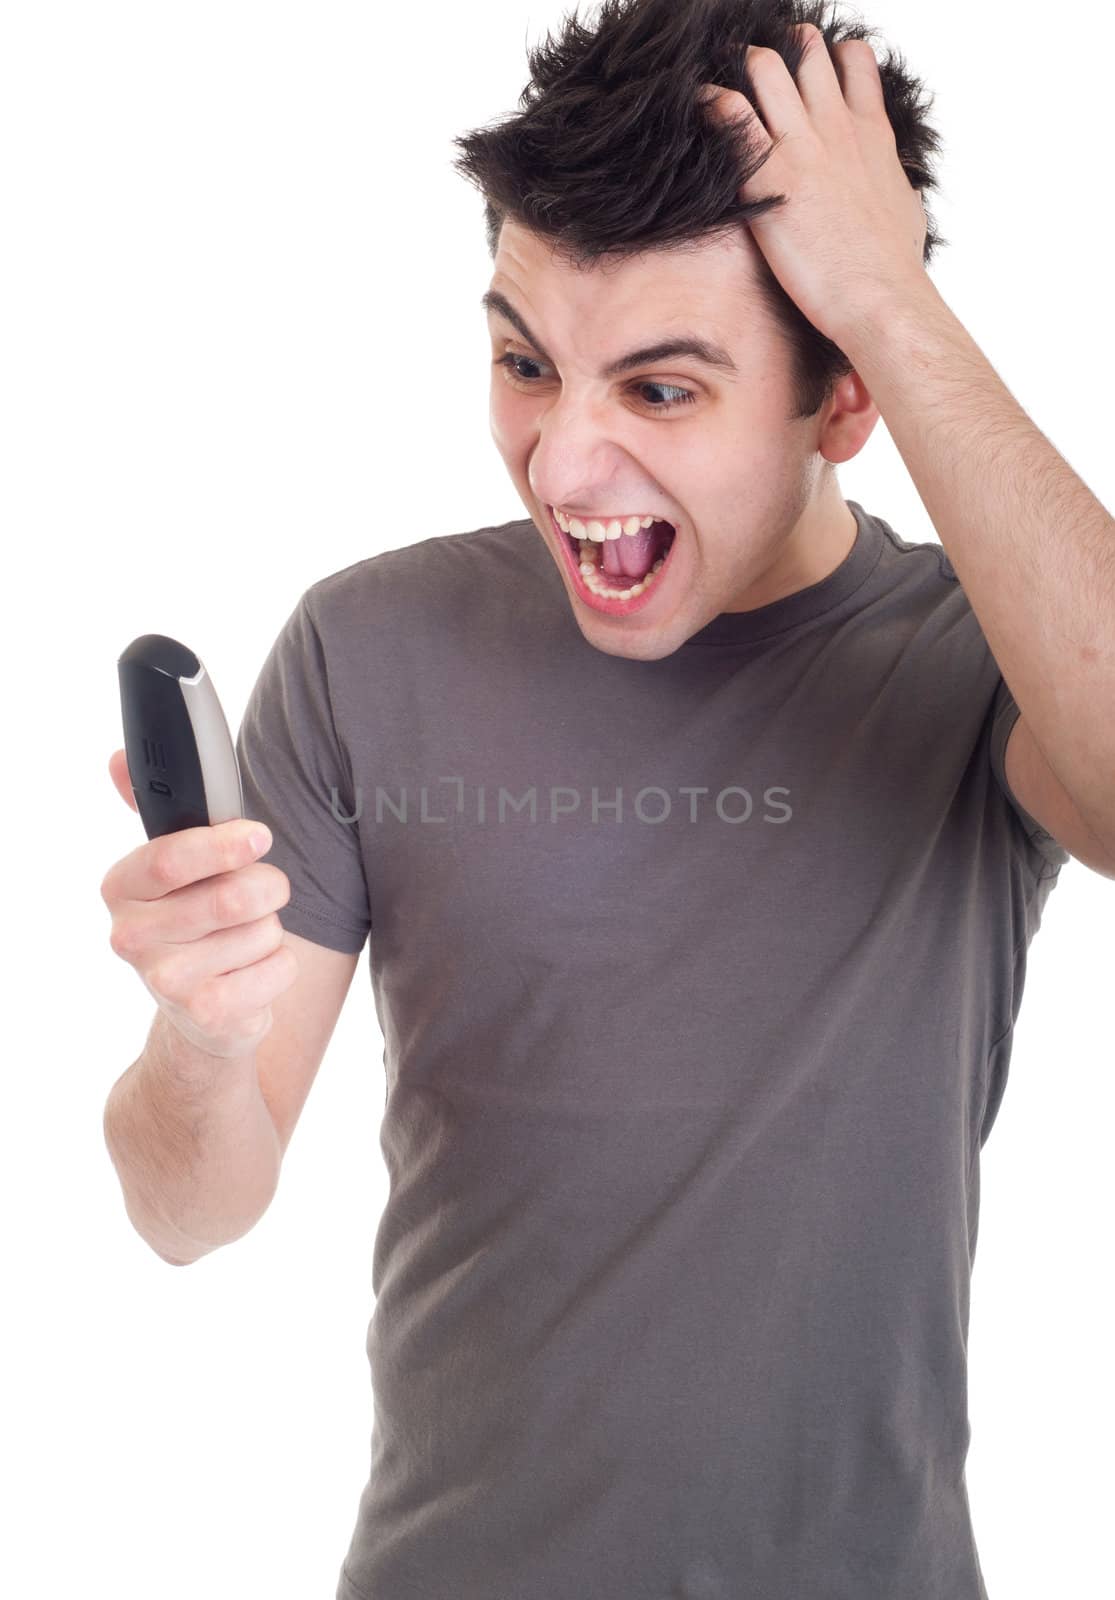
[1004, 714]
[296, 779]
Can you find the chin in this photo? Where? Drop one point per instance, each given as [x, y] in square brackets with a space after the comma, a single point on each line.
[641, 644]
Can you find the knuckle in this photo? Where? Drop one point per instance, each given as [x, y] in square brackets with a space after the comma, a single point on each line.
[122, 938]
[164, 858]
[229, 901]
[256, 1026]
[279, 885]
[203, 1009]
[163, 977]
[232, 849]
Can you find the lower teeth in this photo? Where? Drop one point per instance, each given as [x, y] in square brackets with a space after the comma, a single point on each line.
[590, 566]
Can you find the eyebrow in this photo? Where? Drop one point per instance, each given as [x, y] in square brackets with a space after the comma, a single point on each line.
[683, 344]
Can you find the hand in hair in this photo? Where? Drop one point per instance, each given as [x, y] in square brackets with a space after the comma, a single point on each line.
[848, 232]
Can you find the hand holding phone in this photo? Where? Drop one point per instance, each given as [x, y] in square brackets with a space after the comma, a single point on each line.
[194, 910]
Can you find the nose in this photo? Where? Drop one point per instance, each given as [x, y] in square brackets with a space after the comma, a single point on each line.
[577, 459]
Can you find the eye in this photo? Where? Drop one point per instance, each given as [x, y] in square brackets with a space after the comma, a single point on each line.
[508, 363]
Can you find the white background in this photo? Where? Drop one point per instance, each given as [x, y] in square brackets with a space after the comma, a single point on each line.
[241, 349]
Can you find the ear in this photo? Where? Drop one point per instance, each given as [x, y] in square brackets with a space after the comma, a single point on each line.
[847, 420]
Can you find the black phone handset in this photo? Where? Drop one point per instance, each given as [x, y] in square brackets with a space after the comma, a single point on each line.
[181, 758]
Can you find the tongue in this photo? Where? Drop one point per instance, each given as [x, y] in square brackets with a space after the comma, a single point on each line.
[633, 554]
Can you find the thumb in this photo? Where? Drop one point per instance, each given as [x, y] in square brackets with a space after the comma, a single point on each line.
[118, 771]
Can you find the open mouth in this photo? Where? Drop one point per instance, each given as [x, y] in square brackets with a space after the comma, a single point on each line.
[618, 574]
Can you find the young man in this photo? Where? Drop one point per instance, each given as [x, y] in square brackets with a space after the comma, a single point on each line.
[698, 916]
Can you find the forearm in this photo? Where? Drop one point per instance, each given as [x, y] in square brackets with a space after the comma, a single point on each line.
[1031, 545]
[193, 1144]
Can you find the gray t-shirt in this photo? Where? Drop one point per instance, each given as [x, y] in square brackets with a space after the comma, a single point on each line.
[697, 979]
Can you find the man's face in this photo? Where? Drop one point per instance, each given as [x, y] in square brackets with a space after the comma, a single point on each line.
[756, 514]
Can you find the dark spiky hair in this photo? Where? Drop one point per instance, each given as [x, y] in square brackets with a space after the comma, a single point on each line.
[612, 154]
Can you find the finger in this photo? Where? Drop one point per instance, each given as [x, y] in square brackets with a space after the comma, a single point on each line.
[173, 860]
[177, 975]
[228, 900]
[728, 106]
[776, 94]
[859, 78]
[817, 83]
[118, 772]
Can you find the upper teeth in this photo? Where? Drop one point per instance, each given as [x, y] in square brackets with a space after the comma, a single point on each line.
[600, 531]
